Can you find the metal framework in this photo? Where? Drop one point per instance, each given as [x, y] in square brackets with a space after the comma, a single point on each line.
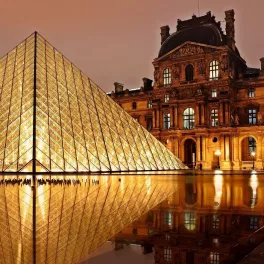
[55, 119]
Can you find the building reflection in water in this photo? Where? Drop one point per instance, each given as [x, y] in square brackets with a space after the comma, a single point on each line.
[210, 219]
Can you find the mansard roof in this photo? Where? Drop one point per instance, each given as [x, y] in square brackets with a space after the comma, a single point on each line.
[204, 30]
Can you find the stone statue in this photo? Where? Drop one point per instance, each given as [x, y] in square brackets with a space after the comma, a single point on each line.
[224, 64]
[177, 72]
[156, 75]
[201, 67]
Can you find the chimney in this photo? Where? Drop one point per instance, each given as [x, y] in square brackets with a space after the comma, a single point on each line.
[165, 33]
[147, 84]
[119, 87]
[262, 64]
[230, 28]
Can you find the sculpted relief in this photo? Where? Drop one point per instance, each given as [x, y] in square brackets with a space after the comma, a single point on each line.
[187, 50]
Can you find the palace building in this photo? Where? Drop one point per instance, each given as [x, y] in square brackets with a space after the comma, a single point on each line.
[206, 105]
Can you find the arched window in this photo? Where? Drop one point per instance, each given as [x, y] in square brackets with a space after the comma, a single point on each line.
[214, 70]
[167, 76]
[188, 118]
[189, 72]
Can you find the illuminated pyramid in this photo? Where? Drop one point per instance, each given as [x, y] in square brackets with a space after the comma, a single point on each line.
[54, 118]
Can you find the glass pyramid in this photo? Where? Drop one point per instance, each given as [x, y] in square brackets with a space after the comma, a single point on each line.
[56, 119]
[71, 220]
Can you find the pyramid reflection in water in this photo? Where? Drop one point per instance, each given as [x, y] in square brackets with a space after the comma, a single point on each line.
[54, 118]
[73, 217]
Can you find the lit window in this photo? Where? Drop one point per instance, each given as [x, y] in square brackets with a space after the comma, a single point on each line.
[150, 104]
[189, 72]
[214, 258]
[188, 118]
[189, 221]
[167, 255]
[166, 119]
[167, 76]
[214, 117]
[166, 98]
[253, 222]
[215, 221]
[251, 92]
[251, 145]
[134, 105]
[149, 123]
[214, 70]
[214, 92]
[168, 218]
[252, 116]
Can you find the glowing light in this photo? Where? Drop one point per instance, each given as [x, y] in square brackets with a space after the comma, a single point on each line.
[218, 184]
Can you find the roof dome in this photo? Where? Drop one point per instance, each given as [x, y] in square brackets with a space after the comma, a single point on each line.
[204, 30]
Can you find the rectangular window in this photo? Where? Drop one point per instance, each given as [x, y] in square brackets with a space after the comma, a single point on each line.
[251, 145]
[168, 218]
[134, 105]
[166, 121]
[214, 92]
[214, 258]
[167, 255]
[253, 222]
[216, 222]
[134, 231]
[150, 104]
[149, 123]
[252, 116]
[214, 117]
[166, 98]
[251, 92]
[190, 221]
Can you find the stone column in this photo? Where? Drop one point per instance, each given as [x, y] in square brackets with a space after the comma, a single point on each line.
[176, 120]
[227, 115]
[157, 118]
[198, 150]
[172, 117]
[154, 118]
[204, 148]
[236, 148]
[197, 115]
[221, 113]
[222, 148]
[202, 114]
[227, 148]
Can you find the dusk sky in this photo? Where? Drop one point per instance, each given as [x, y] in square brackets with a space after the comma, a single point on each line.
[117, 40]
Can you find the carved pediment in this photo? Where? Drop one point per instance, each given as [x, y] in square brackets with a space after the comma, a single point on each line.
[188, 49]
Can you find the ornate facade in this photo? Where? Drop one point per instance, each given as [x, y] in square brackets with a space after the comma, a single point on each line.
[204, 97]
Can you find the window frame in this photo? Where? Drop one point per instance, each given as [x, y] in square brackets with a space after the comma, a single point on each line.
[214, 70]
[149, 104]
[214, 257]
[166, 121]
[166, 98]
[134, 105]
[215, 222]
[252, 116]
[188, 118]
[214, 117]
[167, 76]
[168, 218]
[251, 92]
[214, 93]
[253, 222]
[190, 221]
[168, 254]
[189, 73]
